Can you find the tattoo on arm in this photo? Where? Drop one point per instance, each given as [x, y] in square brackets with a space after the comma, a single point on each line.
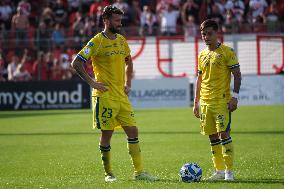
[129, 70]
[80, 70]
[237, 79]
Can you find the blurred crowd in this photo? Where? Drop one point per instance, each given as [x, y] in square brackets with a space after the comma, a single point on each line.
[39, 38]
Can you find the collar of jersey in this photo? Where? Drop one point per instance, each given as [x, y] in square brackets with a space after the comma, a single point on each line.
[217, 46]
[103, 33]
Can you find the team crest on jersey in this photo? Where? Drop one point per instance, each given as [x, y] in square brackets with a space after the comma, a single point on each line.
[86, 51]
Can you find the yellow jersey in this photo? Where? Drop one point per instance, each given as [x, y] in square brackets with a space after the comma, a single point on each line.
[214, 67]
[108, 61]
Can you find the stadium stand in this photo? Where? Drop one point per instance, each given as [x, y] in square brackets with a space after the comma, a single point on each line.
[39, 37]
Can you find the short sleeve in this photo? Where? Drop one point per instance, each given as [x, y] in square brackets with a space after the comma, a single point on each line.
[232, 60]
[89, 50]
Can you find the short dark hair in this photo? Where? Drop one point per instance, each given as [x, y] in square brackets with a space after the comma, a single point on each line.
[109, 10]
[209, 23]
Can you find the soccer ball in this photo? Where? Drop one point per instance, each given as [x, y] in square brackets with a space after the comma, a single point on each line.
[190, 172]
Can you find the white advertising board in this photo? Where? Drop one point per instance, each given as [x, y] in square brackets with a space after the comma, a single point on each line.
[262, 90]
[160, 93]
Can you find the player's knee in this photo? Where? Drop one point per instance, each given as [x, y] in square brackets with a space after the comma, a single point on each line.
[131, 132]
[105, 138]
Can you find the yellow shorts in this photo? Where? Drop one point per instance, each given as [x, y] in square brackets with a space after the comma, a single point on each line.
[214, 118]
[111, 114]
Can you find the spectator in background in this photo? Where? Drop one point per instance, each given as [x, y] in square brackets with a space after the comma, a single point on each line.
[58, 36]
[78, 28]
[205, 9]
[53, 72]
[99, 18]
[3, 36]
[215, 15]
[221, 5]
[42, 38]
[90, 26]
[147, 20]
[25, 6]
[40, 68]
[29, 61]
[280, 10]
[258, 25]
[20, 25]
[12, 66]
[190, 28]
[3, 70]
[74, 5]
[21, 74]
[237, 7]
[56, 70]
[47, 16]
[272, 18]
[5, 13]
[169, 20]
[65, 65]
[162, 5]
[190, 7]
[230, 24]
[134, 12]
[60, 13]
[95, 6]
[257, 8]
[121, 4]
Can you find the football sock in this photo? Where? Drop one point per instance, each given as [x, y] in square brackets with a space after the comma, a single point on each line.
[105, 154]
[217, 156]
[228, 153]
[135, 153]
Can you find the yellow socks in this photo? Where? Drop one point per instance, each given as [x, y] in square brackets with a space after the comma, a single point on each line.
[228, 153]
[217, 156]
[135, 153]
[105, 154]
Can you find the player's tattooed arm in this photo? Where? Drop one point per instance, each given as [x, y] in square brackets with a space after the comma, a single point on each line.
[237, 79]
[77, 64]
[128, 74]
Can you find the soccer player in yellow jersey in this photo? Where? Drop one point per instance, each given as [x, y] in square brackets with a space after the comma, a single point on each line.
[113, 69]
[213, 102]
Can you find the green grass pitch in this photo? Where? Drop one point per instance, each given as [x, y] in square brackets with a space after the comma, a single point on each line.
[59, 149]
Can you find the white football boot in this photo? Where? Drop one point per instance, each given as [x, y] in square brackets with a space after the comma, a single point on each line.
[229, 176]
[217, 175]
[110, 178]
[146, 176]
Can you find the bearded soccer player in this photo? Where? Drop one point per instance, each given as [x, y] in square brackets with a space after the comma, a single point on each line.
[213, 102]
[113, 67]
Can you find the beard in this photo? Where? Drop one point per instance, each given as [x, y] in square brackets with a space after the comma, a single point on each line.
[114, 30]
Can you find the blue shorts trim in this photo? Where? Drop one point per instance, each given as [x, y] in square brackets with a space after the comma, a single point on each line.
[229, 124]
[98, 112]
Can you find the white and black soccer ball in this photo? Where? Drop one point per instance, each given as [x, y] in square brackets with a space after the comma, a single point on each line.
[190, 172]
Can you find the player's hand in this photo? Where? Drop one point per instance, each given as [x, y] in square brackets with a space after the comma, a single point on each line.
[127, 89]
[196, 110]
[233, 104]
[99, 86]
